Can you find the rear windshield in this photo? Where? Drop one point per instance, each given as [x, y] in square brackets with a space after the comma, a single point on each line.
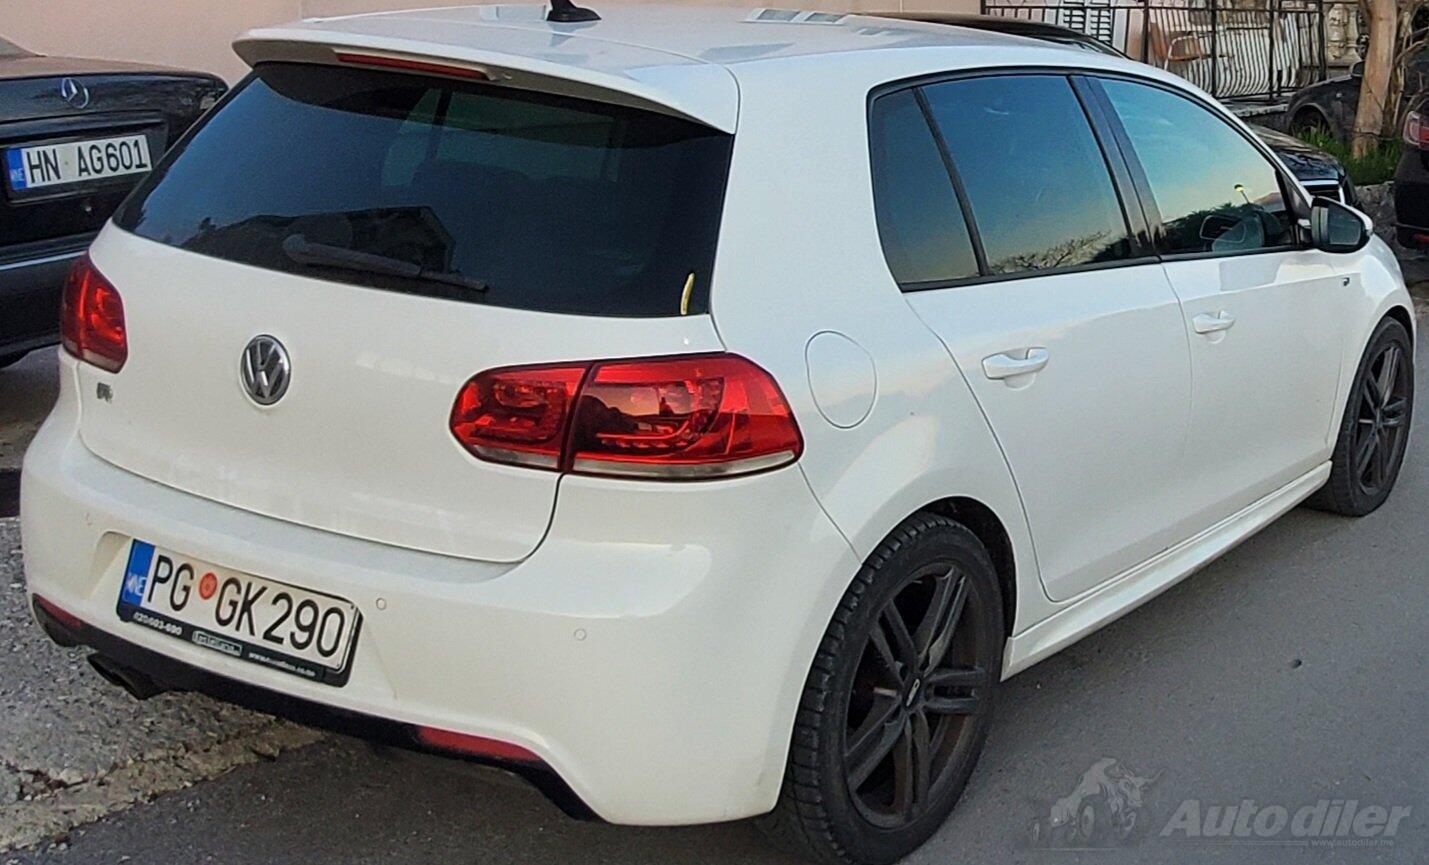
[451, 189]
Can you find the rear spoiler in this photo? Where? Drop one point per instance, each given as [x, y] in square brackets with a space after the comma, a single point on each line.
[597, 70]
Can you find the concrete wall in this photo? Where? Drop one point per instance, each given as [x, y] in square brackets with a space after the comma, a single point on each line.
[195, 34]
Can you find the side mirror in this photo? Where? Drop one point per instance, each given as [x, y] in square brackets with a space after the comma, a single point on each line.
[1335, 227]
[1357, 69]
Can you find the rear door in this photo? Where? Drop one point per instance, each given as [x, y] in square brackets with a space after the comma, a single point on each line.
[1041, 289]
[531, 229]
[1263, 310]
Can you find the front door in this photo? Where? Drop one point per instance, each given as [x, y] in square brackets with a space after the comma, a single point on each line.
[1262, 312]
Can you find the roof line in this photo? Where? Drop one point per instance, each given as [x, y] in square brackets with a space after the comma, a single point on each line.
[577, 35]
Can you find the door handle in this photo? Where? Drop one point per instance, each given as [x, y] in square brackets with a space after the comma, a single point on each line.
[1005, 365]
[1207, 323]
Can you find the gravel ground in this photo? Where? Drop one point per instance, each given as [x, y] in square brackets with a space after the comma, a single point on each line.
[73, 748]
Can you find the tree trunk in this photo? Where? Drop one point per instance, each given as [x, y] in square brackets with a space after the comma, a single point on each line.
[1383, 21]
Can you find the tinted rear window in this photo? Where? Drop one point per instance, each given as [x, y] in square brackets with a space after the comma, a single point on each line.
[1039, 187]
[925, 238]
[554, 204]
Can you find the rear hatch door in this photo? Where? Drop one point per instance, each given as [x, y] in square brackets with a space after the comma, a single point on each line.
[547, 229]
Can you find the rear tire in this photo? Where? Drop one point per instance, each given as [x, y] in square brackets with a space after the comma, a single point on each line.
[898, 702]
[1374, 430]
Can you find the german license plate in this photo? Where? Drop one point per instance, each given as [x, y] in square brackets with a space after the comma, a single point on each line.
[296, 630]
[76, 162]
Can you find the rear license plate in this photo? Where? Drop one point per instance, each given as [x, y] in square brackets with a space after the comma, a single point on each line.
[76, 163]
[298, 631]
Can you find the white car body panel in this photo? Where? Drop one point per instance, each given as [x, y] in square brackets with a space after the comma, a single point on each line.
[1283, 354]
[1117, 372]
[676, 621]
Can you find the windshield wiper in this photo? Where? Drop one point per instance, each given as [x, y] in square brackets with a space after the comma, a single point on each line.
[303, 251]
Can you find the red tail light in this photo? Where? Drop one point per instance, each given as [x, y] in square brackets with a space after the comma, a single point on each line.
[518, 415]
[1416, 129]
[92, 318]
[697, 416]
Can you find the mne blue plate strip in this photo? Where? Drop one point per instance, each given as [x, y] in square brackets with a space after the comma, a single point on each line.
[136, 573]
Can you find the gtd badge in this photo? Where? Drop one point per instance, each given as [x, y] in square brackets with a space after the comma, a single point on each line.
[265, 370]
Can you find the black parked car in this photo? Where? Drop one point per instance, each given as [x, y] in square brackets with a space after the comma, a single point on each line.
[1411, 180]
[75, 135]
[1330, 105]
[1321, 173]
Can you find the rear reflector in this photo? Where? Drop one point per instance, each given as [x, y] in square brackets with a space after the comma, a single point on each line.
[684, 417]
[68, 619]
[92, 318]
[474, 746]
[408, 65]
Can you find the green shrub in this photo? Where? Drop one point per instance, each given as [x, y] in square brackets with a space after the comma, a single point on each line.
[1377, 166]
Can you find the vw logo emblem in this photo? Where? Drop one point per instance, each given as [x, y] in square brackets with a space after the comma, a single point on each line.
[75, 94]
[265, 370]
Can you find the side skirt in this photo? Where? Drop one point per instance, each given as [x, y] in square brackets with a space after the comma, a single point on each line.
[1140, 583]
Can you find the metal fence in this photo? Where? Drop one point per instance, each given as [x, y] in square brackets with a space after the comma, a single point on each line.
[1231, 48]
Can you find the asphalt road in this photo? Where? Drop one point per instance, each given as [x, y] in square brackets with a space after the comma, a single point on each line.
[1291, 671]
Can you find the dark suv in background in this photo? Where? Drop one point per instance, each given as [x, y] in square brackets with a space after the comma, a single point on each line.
[75, 136]
[1411, 180]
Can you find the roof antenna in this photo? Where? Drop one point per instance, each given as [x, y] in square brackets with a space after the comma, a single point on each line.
[566, 12]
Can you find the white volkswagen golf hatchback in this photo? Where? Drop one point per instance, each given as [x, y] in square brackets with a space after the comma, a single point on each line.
[697, 411]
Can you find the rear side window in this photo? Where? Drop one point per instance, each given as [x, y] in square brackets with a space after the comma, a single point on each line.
[1215, 191]
[464, 191]
[925, 239]
[1036, 179]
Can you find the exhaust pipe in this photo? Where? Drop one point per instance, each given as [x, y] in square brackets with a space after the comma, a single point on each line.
[139, 685]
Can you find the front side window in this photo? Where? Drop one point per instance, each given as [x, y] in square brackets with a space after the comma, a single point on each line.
[924, 236]
[1036, 180]
[462, 191]
[1215, 191]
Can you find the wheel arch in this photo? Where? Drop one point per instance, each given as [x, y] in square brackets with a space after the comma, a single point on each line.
[1403, 316]
[983, 522]
[1306, 109]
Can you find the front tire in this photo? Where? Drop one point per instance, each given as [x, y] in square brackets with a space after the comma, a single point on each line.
[898, 703]
[1374, 430]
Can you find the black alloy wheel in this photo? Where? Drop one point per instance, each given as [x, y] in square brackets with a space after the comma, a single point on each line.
[1374, 430]
[918, 684]
[898, 702]
[1381, 425]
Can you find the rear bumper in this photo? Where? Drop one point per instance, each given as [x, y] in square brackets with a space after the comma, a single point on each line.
[178, 676]
[30, 288]
[651, 652]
